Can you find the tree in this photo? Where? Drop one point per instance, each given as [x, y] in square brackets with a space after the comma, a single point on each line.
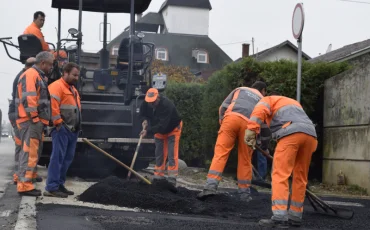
[176, 74]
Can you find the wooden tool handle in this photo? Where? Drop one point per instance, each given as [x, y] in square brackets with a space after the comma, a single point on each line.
[134, 158]
[116, 160]
[264, 153]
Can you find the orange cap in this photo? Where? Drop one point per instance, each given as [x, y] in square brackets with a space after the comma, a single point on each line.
[151, 95]
[62, 54]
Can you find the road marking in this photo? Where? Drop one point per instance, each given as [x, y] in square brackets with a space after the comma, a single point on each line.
[6, 213]
[27, 214]
[351, 204]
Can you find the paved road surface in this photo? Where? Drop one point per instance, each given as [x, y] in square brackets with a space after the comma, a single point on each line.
[9, 198]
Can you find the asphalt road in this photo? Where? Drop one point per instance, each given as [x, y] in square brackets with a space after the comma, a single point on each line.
[9, 198]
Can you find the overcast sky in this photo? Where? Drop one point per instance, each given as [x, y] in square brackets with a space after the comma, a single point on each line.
[232, 22]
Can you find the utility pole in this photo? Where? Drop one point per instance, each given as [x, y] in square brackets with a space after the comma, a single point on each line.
[253, 45]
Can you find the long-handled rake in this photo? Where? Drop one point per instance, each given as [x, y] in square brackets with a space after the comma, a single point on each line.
[314, 200]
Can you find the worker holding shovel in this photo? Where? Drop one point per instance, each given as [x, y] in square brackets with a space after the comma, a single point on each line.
[234, 113]
[162, 119]
[296, 141]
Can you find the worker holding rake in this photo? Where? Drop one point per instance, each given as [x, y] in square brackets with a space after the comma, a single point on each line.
[162, 119]
[296, 141]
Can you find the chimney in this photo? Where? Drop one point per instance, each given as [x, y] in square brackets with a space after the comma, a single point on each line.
[138, 16]
[245, 51]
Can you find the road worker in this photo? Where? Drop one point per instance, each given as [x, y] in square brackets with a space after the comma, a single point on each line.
[33, 115]
[234, 113]
[162, 119]
[296, 141]
[35, 29]
[66, 117]
[12, 119]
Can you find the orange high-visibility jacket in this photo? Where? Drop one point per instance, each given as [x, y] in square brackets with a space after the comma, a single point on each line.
[240, 102]
[283, 115]
[33, 29]
[65, 104]
[32, 98]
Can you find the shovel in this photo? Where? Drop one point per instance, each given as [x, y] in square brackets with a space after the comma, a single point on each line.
[135, 155]
[312, 198]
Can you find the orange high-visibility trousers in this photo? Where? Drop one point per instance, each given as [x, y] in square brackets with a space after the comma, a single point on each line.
[292, 155]
[31, 136]
[18, 148]
[232, 127]
[167, 145]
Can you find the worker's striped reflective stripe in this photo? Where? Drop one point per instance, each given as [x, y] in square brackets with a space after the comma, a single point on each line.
[296, 204]
[265, 104]
[244, 182]
[54, 118]
[55, 97]
[172, 172]
[213, 172]
[256, 119]
[296, 214]
[26, 94]
[31, 109]
[68, 107]
[279, 202]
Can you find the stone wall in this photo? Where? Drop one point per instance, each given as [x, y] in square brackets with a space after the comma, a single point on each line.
[346, 125]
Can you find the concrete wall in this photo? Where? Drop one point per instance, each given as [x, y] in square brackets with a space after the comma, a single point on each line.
[186, 20]
[283, 53]
[346, 125]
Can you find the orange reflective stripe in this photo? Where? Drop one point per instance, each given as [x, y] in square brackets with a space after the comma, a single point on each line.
[235, 96]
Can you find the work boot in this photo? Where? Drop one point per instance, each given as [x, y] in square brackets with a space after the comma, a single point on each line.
[56, 193]
[34, 192]
[172, 180]
[246, 197]
[38, 179]
[66, 191]
[205, 194]
[273, 223]
[294, 221]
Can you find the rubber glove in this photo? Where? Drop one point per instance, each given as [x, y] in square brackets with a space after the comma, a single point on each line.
[250, 138]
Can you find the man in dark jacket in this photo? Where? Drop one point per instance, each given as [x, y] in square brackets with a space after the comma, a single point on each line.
[162, 119]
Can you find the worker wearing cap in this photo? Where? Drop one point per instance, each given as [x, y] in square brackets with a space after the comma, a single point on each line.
[296, 141]
[162, 119]
[234, 113]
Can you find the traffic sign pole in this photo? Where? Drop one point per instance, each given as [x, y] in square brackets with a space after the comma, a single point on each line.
[297, 29]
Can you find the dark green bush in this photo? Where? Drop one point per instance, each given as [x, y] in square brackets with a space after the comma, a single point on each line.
[198, 104]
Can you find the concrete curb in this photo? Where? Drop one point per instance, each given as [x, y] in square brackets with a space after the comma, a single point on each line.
[27, 214]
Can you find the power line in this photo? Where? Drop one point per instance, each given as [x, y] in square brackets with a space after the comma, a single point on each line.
[231, 43]
[355, 1]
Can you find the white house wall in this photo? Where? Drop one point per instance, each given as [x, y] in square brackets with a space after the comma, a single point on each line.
[186, 20]
[282, 53]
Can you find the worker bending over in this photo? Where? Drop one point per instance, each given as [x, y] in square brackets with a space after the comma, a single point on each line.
[234, 113]
[32, 104]
[66, 117]
[35, 29]
[12, 119]
[162, 119]
[296, 141]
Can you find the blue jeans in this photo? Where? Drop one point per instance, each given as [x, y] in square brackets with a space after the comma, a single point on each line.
[261, 164]
[64, 146]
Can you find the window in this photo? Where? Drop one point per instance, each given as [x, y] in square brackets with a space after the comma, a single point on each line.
[161, 54]
[115, 50]
[202, 57]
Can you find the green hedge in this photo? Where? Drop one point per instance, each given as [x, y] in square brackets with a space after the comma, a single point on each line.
[198, 104]
[187, 98]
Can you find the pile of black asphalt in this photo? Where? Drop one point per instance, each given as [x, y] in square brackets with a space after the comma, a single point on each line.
[123, 193]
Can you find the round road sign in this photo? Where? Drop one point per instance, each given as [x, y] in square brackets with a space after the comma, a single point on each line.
[298, 21]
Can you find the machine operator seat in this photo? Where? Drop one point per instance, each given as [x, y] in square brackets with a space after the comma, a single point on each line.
[29, 46]
[123, 55]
